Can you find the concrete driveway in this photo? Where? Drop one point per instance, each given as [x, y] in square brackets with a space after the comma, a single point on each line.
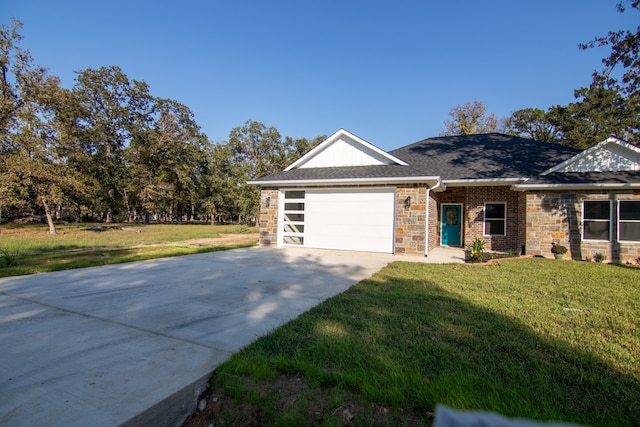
[134, 343]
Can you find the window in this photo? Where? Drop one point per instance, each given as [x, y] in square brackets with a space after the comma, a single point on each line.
[629, 220]
[495, 219]
[596, 220]
[293, 218]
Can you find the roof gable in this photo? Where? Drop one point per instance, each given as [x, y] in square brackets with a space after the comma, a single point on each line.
[611, 155]
[345, 149]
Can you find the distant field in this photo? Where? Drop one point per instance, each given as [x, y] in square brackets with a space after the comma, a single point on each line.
[28, 249]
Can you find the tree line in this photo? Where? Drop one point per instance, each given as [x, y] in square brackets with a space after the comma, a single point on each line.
[108, 150]
[610, 105]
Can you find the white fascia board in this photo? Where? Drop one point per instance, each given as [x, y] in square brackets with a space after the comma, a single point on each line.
[481, 182]
[429, 180]
[336, 136]
[590, 150]
[592, 186]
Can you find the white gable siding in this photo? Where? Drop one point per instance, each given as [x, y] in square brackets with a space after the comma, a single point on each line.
[345, 152]
[609, 157]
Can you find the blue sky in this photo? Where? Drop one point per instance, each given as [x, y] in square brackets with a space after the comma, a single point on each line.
[387, 71]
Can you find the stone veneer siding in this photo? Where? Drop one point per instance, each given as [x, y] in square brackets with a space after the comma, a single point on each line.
[556, 217]
[268, 221]
[410, 222]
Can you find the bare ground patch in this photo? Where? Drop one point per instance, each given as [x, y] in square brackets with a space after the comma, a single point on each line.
[315, 405]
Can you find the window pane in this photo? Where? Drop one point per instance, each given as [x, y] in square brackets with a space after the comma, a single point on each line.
[630, 210]
[294, 206]
[294, 194]
[596, 210]
[596, 230]
[293, 240]
[630, 231]
[294, 228]
[494, 227]
[494, 211]
[293, 217]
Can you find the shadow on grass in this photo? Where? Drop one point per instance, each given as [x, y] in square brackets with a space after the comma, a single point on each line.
[59, 262]
[411, 345]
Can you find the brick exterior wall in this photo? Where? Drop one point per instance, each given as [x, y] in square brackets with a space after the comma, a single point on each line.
[410, 226]
[556, 217]
[515, 235]
[473, 200]
[268, 221]
[434, 225]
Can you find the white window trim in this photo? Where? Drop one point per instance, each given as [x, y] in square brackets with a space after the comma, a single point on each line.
[484, 219]
[281, 221]
[626, 221]
[610, 221]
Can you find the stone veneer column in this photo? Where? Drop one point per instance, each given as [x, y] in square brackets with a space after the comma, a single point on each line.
[411, 222]
[268, 222]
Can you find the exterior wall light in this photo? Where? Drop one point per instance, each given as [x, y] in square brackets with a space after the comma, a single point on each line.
[407, 202]
[268, 201]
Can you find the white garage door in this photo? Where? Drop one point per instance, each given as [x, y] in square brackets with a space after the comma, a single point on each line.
[360, 220]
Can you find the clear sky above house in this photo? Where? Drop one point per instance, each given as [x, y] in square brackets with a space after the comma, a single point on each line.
[388, 71]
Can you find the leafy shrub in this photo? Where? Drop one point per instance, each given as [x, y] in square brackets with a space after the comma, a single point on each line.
[559, 249]
[476, 250]
[599, 257]
[8, 259]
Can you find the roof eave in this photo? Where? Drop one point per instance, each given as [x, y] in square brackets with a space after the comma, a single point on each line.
[577, 186]
[429, 180]
[482, 182]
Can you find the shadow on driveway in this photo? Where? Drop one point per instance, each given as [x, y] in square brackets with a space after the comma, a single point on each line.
[109, 345]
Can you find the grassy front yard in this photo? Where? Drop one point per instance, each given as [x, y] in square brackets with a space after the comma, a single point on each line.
[28, 249]
[532, 338]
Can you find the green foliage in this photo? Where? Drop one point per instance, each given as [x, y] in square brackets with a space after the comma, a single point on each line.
[599, 257]
[532, 123]
[8, 258]
[470, 118]
[559, 249]
[109, 150]
[609, 106]
[476, 250]
[529, 339]
[28, 250]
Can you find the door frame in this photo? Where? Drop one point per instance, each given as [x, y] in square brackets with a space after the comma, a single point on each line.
[442, 223]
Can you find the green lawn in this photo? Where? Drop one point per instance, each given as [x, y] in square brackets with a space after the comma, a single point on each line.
[532, 338]
[28, 249]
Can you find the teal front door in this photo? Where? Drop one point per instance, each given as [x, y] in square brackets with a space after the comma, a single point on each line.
[451, 225]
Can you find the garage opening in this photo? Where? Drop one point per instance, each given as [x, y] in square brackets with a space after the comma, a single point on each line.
[345, 219]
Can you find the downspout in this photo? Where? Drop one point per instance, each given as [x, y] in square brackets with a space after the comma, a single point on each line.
[426, 219]
[426, 226]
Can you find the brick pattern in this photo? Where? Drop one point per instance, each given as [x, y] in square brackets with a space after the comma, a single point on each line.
[473, 200]
[515, 236]
[268, 221]
[434, 235]
[411, 221]
[556, 217]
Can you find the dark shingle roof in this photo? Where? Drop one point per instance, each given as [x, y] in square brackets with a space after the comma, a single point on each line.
[483, 156]
[347, 172]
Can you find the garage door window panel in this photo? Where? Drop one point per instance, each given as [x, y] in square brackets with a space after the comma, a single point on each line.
[293, 218]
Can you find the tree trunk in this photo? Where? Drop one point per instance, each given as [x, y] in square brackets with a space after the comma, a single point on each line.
[52, 227]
